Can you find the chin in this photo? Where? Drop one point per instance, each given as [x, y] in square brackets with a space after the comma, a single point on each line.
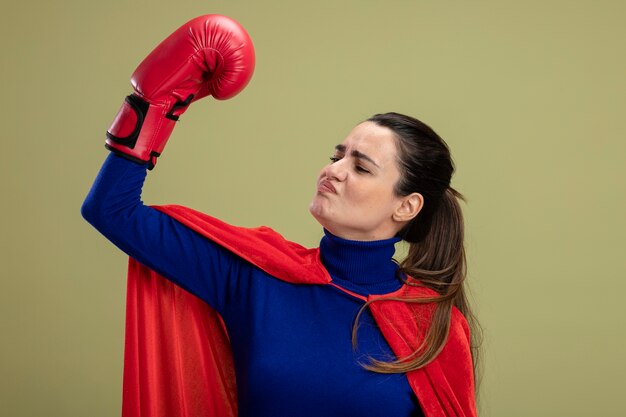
[318, 214]
[316, 209]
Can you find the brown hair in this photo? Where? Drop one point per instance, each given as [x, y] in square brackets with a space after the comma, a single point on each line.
[436, 255]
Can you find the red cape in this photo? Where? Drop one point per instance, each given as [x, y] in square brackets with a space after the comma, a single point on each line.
[177, 359]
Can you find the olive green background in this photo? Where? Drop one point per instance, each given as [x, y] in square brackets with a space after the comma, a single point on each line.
[530, 95]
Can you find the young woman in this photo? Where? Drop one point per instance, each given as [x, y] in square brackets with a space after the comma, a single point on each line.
[337, 330]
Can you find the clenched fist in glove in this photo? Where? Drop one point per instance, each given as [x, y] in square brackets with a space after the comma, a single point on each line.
[209, 55]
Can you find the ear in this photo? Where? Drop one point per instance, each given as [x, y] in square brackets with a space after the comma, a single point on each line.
[410, 206]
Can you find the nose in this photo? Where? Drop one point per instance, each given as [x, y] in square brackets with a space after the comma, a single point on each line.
[337, 170]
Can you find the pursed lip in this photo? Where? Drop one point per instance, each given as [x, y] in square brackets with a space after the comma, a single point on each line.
[326, 186]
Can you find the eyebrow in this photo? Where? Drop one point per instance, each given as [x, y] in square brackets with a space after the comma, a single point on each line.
[356, 154]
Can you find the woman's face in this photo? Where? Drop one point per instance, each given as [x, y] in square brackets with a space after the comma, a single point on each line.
[355, 196]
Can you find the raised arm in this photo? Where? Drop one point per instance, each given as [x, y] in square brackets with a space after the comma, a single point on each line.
[209, 55]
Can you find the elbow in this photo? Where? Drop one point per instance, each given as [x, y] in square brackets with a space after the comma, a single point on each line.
[93, 212]
[88, 210]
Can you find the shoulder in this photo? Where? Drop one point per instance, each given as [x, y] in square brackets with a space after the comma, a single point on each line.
[261, 246]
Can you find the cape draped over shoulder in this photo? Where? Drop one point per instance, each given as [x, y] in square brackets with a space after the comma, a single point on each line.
[178, 361]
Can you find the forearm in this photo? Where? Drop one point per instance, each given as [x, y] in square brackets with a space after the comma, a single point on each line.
[114, 204]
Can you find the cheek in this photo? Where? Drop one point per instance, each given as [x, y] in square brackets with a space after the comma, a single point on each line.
[366, 191]
[376, 198]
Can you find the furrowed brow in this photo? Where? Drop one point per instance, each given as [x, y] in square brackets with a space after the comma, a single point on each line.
[356, 154]
[361, 155]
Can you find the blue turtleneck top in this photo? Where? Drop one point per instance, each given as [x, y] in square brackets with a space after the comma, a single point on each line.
[291, 343]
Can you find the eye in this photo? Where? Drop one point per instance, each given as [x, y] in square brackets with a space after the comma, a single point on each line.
[359, 168]
[334, 159]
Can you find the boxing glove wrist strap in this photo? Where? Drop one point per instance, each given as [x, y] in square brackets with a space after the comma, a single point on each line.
[141, 130]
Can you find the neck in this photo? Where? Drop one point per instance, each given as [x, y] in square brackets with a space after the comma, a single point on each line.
[363, 267]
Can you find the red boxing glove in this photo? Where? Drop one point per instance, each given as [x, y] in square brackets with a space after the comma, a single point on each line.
[209, 55]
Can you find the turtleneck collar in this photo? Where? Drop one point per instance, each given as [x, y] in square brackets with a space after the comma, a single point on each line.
[362, 267]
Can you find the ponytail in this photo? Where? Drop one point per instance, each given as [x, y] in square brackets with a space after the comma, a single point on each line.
[436, 256]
